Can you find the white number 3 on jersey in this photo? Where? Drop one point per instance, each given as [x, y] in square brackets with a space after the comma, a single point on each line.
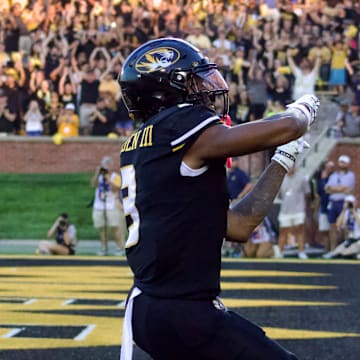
[128, 187]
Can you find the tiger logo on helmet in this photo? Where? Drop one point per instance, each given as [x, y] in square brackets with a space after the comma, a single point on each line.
[157, 59]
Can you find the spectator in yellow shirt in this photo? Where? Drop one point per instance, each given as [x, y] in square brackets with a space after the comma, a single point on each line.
[198, 38]
[109, 86]
[339, 65]
[68, 122]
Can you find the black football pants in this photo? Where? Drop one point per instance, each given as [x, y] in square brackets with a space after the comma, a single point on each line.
[170, 329]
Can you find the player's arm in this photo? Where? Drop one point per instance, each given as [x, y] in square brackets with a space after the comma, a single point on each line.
[220, 141]
[251, 210]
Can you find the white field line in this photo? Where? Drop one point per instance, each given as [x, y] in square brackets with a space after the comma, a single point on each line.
[85, 333]
[121, 304]
[69, 301]
[12, 333]
[30, 301]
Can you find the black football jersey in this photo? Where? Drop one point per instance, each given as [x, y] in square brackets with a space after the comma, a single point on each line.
[176, 223]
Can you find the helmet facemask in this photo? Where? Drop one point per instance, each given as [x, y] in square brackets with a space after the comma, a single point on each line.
[207, 86]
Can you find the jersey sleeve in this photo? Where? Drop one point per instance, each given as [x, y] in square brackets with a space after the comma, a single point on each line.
[194, 120]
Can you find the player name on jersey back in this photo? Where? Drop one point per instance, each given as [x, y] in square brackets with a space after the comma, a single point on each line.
[141, 138]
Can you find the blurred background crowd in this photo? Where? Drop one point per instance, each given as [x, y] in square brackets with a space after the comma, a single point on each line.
[59, 60]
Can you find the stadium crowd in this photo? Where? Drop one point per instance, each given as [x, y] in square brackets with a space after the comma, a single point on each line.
[59, 60]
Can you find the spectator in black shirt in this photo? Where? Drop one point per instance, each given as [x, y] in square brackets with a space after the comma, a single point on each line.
[355, 15]
[89, 93]
[7, 118]
[279, 90]
[353, 57]
[125, 10]
[242, 41]
[52, 61]
[67, 87]
[14, 103]
[143, 30]
[85, 44]
[11, 35]
[288, 18]
[52, 113]
[24, 41]
[89, 88]
[304, 48]
[102, 118]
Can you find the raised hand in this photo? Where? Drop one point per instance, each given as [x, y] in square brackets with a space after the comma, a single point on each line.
[286, 154]
[308, 105]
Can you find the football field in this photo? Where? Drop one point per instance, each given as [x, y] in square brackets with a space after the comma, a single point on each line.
[72, 308]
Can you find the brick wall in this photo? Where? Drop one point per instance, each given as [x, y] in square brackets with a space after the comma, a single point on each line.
[24, 155]
[29, 155]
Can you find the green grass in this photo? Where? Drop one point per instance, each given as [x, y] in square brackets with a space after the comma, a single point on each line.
[30, 203]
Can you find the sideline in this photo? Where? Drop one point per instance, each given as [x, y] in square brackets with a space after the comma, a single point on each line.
[28, 247]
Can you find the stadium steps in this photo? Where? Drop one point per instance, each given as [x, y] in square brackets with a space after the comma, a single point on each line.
[321, 138]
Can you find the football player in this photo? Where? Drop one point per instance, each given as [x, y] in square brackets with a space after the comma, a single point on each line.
[177, 204]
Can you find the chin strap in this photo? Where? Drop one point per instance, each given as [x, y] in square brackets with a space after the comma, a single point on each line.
[226, 119]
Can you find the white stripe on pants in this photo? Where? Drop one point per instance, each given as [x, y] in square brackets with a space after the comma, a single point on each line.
[127, 335]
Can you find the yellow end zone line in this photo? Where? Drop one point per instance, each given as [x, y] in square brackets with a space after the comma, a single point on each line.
[270, 273]
[116, 296]
[119, 272]
[297, 334]
[275, 333]
[92, 278]
[272, 286]
[64, 282]
[292, 260]
[242, 303]
[37, 290]
[58, 304]
[103, 323]
[224, 260]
